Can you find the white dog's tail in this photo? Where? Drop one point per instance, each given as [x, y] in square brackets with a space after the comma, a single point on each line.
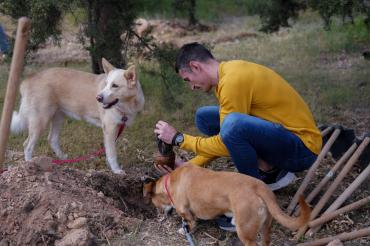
[19, 122]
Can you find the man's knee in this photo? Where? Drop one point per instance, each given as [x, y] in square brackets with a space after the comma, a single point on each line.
[230, 126]
[207, 120]
[200, 114]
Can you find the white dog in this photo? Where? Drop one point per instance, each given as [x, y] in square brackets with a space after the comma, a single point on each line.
[105, 100]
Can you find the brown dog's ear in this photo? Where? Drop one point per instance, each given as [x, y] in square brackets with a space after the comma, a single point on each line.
[107, 67]
[130, 76]
[148, 189]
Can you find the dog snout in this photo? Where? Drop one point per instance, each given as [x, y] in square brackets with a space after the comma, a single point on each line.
[99, 98]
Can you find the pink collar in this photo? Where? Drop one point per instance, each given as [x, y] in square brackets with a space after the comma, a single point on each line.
[124, 117]
[166, 188]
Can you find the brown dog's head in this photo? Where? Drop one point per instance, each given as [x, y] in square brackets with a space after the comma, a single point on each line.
[154, 191]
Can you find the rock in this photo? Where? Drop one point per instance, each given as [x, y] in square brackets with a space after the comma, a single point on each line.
[76, 237]
[77, 223]
[336, 242]
[4, 242]
[48, 215]
[61, 216]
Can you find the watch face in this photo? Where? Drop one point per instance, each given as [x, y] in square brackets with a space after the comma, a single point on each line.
[179, 139]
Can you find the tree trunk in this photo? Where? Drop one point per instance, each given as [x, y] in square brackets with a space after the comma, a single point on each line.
[104, 34]
[192, 20]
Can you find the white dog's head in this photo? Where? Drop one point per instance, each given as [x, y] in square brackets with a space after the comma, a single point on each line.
[122, 90]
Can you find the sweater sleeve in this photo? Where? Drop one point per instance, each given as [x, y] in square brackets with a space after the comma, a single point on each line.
[200, 160]
[207, 148]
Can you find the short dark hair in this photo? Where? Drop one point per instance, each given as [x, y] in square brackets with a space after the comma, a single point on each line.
[191, 52]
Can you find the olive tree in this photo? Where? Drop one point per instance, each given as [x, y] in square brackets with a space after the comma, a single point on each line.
[105, 21]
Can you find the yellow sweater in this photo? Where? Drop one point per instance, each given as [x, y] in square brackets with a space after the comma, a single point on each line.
[252, 89]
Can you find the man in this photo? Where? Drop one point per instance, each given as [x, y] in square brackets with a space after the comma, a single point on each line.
[261, 121]
[4, 44]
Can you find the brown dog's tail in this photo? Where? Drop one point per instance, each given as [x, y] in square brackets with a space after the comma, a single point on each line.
[293, 223]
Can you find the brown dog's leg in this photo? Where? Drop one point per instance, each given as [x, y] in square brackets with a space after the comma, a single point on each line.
[247, 223]
[188, 216]
[266, 228]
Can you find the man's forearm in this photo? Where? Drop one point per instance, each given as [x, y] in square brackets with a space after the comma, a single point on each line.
[207, 147]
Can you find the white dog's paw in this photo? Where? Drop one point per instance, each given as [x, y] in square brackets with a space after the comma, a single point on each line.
[119, 171]
[62, 156]
[181, 231]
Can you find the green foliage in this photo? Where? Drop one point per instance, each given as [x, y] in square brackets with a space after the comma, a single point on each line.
[207, 10]
[171, 86]
[45, 15]
[189, 6]
[326, 9]
[348, 37]
[276, 13]
[346, 9]
[106, 21]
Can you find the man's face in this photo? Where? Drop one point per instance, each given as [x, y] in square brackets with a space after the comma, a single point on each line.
[196, 77]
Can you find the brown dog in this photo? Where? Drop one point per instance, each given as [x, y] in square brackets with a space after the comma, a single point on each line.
[205, 194]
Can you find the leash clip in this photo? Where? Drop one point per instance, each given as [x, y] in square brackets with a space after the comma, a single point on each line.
[124, 119]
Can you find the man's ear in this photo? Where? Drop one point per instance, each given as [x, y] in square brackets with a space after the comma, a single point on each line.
[107, 67]
[130, 76]
[148, 189]
[194, 65]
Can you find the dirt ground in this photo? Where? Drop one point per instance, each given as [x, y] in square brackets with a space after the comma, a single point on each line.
[44, 204]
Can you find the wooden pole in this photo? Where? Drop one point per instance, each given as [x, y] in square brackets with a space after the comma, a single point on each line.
[312, 169]
[16, 67]
[331, 173]
[326, 131]
[332, 215]
[347, 167]
[343, 197]
[343, 237]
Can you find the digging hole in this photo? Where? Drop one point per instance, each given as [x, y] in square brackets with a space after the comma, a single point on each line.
[127, 193]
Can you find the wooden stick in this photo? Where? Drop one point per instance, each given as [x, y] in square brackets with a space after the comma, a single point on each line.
[332, 215]
[347, 167]
[326, 131]
[343, 237]
[24, 26]
[312, 169]
[331, 173]
[343, 197]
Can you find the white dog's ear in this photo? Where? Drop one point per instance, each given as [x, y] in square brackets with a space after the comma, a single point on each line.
[130, 75]
[107, 67]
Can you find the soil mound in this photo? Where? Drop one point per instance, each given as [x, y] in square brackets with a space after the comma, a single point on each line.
[44, 204]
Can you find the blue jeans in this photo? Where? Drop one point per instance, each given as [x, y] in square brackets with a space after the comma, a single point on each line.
[248, 138]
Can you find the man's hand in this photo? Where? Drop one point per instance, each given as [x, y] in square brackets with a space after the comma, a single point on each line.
[165, 131]
[163, 169]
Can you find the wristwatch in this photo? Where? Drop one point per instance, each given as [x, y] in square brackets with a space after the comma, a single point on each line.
[178, 139]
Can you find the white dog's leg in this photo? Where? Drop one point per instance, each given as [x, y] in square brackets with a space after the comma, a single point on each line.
[30, 143]
[53, 138]
[110, 148]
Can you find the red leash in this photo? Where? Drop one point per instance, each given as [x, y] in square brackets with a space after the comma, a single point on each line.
[166, 188]
[91, 155]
